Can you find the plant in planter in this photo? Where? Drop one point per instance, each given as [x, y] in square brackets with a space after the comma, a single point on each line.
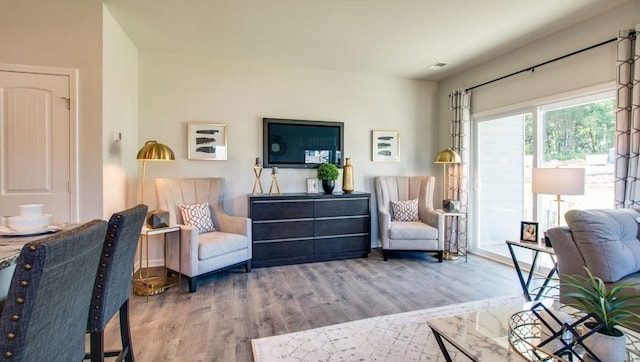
[609, 308]
[328, 173]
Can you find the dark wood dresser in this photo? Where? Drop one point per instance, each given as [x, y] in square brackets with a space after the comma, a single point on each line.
[302, 228]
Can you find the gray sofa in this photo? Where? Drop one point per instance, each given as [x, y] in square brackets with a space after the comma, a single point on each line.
[604, 240]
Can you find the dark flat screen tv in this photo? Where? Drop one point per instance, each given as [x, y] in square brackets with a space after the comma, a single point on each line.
[301, 144]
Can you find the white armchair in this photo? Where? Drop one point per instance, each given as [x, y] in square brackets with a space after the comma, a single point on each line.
[424, 234]
[203, 253]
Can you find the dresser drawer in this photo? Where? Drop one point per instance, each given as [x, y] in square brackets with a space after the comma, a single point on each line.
[341, 207]
[282, 230]
[281, 210]
[342, 226]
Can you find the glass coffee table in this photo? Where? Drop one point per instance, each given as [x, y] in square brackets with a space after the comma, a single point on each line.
[490, 335]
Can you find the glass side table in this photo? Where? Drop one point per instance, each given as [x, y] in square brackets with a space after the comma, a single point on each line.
[146, 284]
[537, 249]
[455, 237]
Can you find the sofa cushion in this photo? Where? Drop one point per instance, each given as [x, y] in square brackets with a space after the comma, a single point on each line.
[405, 210]
[211, 245]
[608, 241]
[199, 216]
[412, 230]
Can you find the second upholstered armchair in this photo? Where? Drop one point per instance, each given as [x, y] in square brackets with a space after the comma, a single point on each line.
[212, 240]
[406, 218]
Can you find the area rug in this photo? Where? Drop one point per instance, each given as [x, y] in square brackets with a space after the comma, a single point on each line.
[395, 337]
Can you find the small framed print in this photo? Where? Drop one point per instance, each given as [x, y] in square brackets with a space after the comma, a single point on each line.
[206, 141]
[529, 231]
[385, 146]
[312, 185]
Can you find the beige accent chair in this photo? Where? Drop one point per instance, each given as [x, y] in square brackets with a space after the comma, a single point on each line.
[227, 247]
[426, 234]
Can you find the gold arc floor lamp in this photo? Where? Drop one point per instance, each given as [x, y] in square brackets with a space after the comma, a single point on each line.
[151, 285]
[152, 151]
[558, 181]
[447, 157]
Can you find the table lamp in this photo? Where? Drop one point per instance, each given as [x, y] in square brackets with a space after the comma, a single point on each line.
[153, 151]
[558, 181]
[446, 157]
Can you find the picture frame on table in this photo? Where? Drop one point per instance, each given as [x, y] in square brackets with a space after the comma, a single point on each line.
[385, 146]
[206, 141]
[312, 185]
[529, 231]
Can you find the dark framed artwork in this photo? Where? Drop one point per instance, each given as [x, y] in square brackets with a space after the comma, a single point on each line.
[529, 231]
[206, 141]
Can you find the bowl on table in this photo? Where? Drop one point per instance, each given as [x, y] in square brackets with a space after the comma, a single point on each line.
[25, 223]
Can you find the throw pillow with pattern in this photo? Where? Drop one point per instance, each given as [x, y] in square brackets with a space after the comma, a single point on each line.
[199, 216]
[405, 210]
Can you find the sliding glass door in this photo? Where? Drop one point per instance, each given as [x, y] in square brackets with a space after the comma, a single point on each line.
[576, 132]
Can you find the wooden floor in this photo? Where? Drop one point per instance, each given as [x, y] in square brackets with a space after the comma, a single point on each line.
[229, 309]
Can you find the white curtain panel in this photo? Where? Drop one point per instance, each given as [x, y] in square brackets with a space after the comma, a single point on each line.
[627, 136]
[460, 140]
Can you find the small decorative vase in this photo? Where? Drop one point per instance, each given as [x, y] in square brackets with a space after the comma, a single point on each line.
[607, 348]
[328, 185]
[347, 177]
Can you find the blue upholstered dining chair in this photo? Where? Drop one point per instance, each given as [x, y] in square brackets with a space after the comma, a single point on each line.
[45, 315]
[112, 286]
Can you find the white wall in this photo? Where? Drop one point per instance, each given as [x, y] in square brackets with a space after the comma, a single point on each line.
[64, 34]
[178, 88]
[120, 115]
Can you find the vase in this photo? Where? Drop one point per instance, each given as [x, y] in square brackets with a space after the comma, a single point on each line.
[607, 348]
[347, 177]
[328, 185]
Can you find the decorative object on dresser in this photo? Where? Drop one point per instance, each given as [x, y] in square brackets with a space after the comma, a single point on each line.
[274, 182]
[152, 151]
[328, 173]
[446, 157]
[203, 253]
[300, 228]
[257, 171]
[347, 177]
[385, 145]
[426, 232]
[206, 141]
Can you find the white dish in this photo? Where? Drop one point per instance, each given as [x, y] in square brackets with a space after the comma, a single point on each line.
[22, 223]
[6, 231]
[31, 210]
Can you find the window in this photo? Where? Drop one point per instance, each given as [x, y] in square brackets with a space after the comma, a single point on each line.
[572, 133]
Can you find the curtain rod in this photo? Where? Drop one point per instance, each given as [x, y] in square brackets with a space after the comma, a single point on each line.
[533, 68]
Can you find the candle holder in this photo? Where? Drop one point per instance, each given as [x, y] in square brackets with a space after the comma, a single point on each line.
[257, 171]
[274, 181]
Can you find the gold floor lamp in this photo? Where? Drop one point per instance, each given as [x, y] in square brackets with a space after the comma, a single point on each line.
[150, 285]
[446, 157]
[152, 151]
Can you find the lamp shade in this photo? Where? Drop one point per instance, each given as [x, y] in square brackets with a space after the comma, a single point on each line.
[558, 181]
[447, 156]
[154, 151]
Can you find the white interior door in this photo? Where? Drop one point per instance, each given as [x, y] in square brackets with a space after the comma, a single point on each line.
[35, 143]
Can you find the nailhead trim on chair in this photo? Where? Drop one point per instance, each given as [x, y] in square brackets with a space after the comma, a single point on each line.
[105, 264]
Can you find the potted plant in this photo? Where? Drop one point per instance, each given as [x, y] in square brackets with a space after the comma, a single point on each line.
[609, 309]
[328, 173]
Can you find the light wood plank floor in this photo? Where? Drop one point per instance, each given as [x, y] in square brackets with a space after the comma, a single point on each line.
[230, 308]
